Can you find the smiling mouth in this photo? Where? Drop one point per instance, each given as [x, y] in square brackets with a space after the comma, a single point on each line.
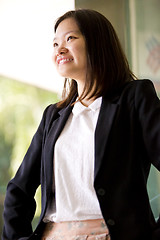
[65, 60]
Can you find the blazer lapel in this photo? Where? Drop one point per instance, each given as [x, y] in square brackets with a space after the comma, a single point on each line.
[104, 124]
[51, 138]
[103, 128]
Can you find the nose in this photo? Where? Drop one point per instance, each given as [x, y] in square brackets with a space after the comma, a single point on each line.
[61, 50]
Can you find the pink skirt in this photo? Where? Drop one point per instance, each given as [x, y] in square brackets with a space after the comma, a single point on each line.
[76, 230]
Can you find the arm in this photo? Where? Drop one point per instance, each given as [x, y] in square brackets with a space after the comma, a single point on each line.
[148, 105]
[19, 205]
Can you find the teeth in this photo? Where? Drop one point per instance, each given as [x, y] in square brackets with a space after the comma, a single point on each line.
[65, 60]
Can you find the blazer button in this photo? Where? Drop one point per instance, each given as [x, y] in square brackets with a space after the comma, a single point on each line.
[101, 192]
[111, 222]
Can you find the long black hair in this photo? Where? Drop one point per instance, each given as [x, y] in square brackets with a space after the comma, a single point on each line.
[107, 63]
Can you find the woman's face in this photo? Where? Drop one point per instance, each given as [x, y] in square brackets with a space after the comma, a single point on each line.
[69, 53]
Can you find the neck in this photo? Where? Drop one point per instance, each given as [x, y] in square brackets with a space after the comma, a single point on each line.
[86, 102]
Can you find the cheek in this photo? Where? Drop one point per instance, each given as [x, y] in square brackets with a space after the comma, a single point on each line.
[53, 57]
[81, 54]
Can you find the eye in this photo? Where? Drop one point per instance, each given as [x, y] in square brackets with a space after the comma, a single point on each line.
[70, 38]
[55, 44]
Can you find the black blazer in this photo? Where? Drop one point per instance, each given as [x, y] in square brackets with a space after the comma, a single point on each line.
[127, 141]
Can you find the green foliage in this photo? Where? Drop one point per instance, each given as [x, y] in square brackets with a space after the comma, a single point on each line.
[21, 109]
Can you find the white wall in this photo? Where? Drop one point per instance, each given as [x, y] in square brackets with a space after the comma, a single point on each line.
[26, 35]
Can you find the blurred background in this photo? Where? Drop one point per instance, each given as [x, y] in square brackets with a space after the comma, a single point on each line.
[29, 82]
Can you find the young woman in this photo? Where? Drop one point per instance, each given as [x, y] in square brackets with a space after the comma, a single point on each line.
[93, 150]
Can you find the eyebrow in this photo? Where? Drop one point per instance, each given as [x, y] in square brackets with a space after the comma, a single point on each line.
[74, 31]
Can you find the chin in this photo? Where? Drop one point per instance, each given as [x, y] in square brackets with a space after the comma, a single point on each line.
[65, 75]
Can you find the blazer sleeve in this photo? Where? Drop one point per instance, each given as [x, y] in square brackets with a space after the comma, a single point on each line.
[147, 105]
[19, 205]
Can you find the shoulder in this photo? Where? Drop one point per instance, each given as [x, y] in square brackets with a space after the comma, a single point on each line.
[136, 85]
[50, 112]
[50, 109]
[140, 94]
[138, 89]
[133, 93]
[129, 89]
[144, 89]
[53, 109]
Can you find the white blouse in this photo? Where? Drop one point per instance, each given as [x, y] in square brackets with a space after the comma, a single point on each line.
[75, 197]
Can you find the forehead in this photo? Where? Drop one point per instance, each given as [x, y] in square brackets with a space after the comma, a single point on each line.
[66, 26]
